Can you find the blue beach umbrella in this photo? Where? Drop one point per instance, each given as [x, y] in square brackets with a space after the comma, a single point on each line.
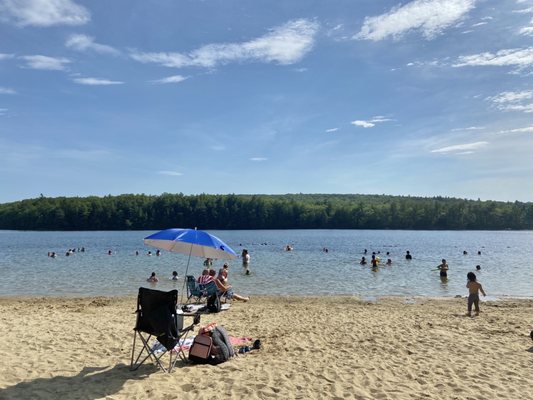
[192, 242]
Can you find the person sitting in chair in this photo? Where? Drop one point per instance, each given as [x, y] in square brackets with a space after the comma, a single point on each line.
[226, 290]
[206, 277]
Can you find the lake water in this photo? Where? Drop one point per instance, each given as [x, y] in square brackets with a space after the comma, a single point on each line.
[506, 263]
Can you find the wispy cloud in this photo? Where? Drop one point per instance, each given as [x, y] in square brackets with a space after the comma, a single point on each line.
[466, 148]
[514, 101]
[171, 79]
[526, 31]
[432, 63]
[258, 159]
[286, 44]
[87, 43]
[46, 63]
[370, 123]
[83, 154]
[4, 56]
[4, 90]
[170, 173]
[332, 130]
[527, 129]
[470, 128]
[430, 17]
[519, 58]
[43, 13]
[96, 82]
[528, 10]
[3, 111]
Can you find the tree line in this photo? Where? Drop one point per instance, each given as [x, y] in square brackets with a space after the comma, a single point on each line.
[291, 211]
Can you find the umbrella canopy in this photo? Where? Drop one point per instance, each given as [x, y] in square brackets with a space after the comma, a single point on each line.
[191, 242]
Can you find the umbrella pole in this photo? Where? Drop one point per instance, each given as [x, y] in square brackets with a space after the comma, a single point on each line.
[186, 271]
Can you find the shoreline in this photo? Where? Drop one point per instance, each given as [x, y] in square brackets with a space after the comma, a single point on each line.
[366, 298]
[314, 347]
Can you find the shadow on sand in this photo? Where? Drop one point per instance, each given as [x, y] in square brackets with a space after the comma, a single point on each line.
[90, 383]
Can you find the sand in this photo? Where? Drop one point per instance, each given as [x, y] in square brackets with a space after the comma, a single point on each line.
[313, 348]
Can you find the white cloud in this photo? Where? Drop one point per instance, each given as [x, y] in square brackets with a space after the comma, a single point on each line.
[364, 124]
[96, 82]
[461, 148]
[171, 79]
[527, 108]
[526, 31]
[370, 123]
[432, 63]
[258, 159]
[479, 24]
[170, 173]
[3, 111]
[4, 90]
[46, 63]
[470, 128]
[514, 101]
[527, 129]
[509, 97]
[430, 17]
[519, 58]
[286, 44]
[332, 130]
[82, 154]
[85, 43]
[43, 13]
[4, 56]
[524, 11]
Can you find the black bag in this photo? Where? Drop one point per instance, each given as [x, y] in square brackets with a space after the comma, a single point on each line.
[213, 303]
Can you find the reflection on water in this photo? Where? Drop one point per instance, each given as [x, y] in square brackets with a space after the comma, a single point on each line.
[444, 283]
[307, 269]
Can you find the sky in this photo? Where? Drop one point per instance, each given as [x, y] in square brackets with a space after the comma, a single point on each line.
[422, 98]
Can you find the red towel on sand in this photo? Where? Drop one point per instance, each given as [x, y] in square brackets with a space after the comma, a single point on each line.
[240, 341]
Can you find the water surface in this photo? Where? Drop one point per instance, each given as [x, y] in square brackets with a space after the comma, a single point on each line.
[505, 260]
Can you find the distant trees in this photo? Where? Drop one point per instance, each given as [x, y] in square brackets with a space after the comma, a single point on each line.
[294, 211]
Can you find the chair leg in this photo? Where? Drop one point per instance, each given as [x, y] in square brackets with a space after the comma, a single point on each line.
[136, 362]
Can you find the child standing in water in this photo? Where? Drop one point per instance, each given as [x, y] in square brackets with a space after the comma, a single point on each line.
[474, 288]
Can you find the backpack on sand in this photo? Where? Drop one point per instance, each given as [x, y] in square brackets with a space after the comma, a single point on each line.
[212, 348]
[213, 303]
[200, 350]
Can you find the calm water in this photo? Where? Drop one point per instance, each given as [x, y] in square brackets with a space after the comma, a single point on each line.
[506, 263]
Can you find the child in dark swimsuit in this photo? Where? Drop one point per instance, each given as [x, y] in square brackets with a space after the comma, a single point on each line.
[474, 288]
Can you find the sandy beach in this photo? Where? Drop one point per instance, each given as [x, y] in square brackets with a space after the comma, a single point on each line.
[313, 348]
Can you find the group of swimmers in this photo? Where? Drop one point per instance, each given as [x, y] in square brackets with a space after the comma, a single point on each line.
[68, 253]
[154, 279]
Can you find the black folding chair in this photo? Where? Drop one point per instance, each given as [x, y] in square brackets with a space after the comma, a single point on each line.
[157, 318]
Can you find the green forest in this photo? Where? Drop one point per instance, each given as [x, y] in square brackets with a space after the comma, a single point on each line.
[291, 211]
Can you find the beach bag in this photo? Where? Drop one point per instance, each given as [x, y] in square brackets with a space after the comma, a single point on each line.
[213, 303]
[200, 350]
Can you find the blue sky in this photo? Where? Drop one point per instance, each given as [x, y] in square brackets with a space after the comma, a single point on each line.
[422, 97]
